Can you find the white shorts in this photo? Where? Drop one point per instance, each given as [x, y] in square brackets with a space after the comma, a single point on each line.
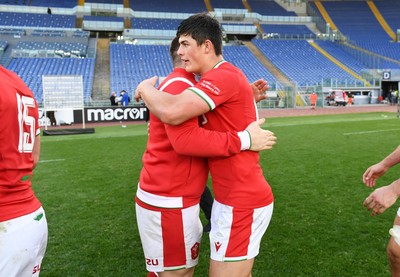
[236, 233]
[395, 230]
[23, 242]
[170, 237]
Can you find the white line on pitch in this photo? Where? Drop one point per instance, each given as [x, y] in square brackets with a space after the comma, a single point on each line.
[51, 161]
[369, 132]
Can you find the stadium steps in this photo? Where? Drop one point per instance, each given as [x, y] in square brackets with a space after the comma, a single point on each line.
[208, 5]
[247, 6]
[101, 82]
[268, 64]
[300, 101]
[325, 15]
[381, 20]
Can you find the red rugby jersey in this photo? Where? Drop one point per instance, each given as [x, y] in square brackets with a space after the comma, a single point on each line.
[237, 180]
[18, 130]
[170, 177]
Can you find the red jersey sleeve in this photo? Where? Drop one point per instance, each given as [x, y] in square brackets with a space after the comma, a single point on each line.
[189, 139]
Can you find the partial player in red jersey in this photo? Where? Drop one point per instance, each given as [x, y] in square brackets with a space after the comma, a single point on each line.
[23, 224]
[168, 196]
[243, 198]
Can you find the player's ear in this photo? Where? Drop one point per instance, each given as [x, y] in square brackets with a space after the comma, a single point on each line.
[208, 46]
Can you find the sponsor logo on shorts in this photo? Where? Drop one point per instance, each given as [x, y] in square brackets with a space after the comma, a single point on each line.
[151, 261]
[195, 250]
[36, 269]
[217, 245]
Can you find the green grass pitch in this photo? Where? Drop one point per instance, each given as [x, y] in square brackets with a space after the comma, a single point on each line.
[87, 184]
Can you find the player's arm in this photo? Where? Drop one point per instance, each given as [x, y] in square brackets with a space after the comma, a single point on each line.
[190, 139]
[178, 108]
[375, 171]
[36, 151]
[381, 199]
[170, 109]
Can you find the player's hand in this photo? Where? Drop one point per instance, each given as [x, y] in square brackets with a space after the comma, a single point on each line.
[260, 139]
[381, 199]
[373, 173]
[259, 88]
[151, 82]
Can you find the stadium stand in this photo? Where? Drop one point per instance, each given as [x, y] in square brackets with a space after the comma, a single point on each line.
[298, 51]
[390, 10]
[103, 18]
[359, 29]
[268, 8]
[130, 64]
[3, 45]
[174, 6]
[41, 3]
[116, 2]
[155, 23]
[287, 31]
[36, 20]
[245, 60]
[301, 62]
[32, 69]
[233, 4]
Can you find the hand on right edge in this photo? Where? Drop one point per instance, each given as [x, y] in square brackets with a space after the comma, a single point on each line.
[373, 173]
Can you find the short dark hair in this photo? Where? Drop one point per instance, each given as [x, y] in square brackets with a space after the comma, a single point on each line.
[173, 51]
[202, 27]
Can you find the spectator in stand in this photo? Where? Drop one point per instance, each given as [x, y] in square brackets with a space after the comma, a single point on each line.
[113, 99]
[124, 98]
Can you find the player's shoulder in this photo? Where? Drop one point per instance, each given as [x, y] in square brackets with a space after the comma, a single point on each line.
[225, 74]
[178, 80]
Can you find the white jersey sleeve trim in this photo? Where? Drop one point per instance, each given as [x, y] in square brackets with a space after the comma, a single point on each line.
[158, 200]
[204, 96]
[177, 79]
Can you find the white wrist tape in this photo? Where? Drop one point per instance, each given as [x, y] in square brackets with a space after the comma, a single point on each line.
[245, 139]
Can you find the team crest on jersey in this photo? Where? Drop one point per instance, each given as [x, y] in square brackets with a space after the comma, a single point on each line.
[195, 250]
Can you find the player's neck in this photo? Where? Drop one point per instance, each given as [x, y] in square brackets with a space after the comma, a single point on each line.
[211, 63]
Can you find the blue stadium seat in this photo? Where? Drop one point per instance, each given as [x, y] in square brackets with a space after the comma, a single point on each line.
[300, 62]
[155, 23]
[176, 6]
[268, 8]
[37, 20]
[32, 69]
[242, 57]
